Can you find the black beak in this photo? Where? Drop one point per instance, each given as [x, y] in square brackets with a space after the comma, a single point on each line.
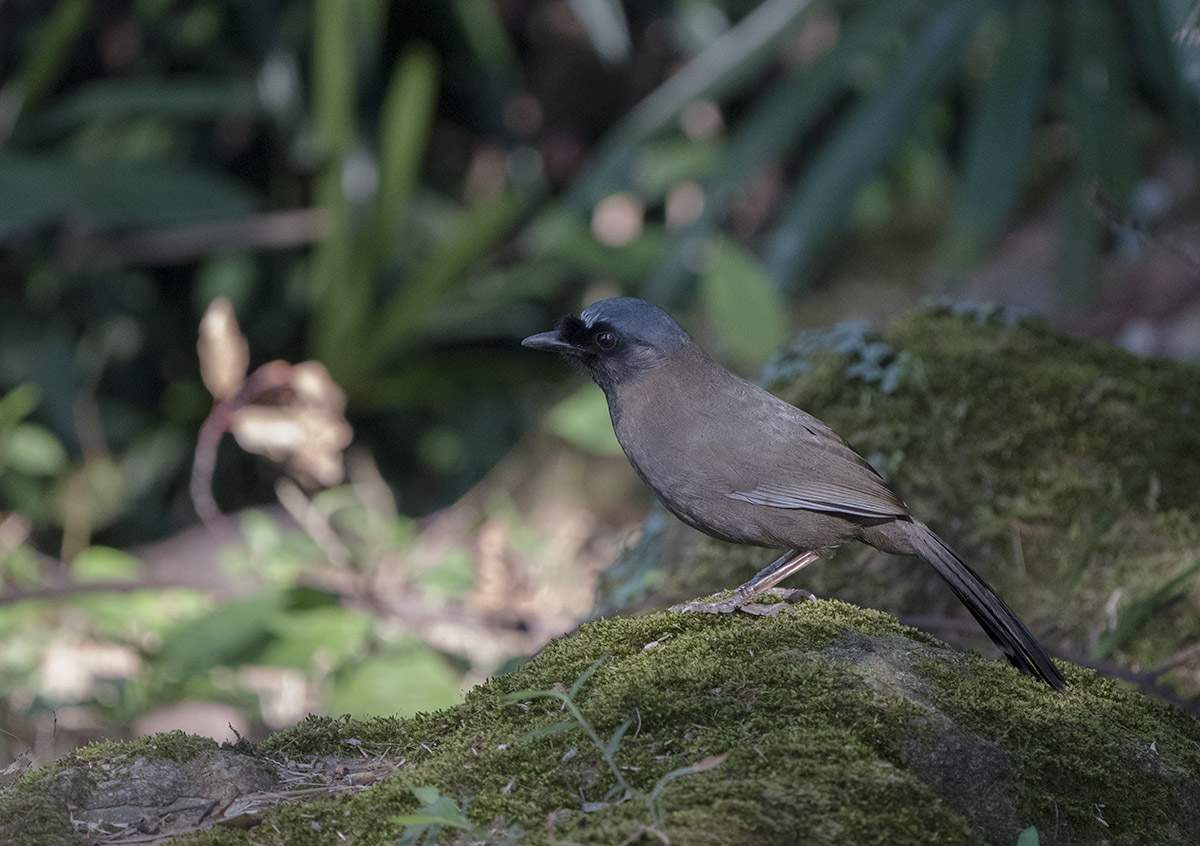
[551, 342]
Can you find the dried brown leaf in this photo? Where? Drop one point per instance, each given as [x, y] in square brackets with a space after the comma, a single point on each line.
[223, 350]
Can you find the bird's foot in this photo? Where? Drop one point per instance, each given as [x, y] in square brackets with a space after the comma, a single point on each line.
[741, 600]
[790, 600]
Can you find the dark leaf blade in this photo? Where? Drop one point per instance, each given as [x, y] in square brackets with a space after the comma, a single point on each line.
[1098, 98]
[38, 190]
[776, 125]
[1162, 51]
[179, 99]
[862, 144]
[999, 136]
[728, 61]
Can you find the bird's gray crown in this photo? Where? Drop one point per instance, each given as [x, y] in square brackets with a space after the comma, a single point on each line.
[637, 319]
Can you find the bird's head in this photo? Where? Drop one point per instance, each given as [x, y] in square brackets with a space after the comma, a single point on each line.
[616, 340]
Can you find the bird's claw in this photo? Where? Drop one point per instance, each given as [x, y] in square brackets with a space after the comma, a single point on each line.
[720, 606]
[740, 601]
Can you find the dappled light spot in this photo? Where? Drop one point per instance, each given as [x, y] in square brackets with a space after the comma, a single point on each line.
[701, 119]
[685, 203]
[618, 219]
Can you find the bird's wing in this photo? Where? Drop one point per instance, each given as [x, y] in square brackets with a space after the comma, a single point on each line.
[818, 472]
[819, 496]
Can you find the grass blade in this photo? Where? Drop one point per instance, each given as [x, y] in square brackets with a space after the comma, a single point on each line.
[610, 748]
[405, 313]
[340, 294]
[606, 27]
[46, 58]
[587, 674]
[409, 105]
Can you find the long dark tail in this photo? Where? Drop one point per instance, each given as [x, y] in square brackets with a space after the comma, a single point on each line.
[1003, 626]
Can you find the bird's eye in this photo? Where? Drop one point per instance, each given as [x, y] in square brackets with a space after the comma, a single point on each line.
[606, 340]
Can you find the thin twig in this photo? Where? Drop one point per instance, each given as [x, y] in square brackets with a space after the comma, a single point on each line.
[271, 376]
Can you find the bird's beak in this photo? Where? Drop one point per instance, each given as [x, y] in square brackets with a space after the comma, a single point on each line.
[551, 342]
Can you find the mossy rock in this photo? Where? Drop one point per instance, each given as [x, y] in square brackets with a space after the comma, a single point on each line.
[1065, 471]
[826, 725]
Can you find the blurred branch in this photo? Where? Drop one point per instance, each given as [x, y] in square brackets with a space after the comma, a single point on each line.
[182, 244]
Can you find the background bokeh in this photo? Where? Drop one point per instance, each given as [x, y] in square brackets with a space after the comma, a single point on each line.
[400, 192]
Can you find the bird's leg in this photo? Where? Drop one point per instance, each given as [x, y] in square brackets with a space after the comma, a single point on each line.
[792, 561]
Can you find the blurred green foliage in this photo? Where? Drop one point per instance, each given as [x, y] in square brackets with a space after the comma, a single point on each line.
[429, 145]
[402, 191]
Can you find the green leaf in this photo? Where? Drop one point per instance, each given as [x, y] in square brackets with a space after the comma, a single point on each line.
[436, 278]
[546, 731]
[561, 236]
[610, 748]
[234, 633]
[487, 37]
[33, 450]
[453, 577]
[262, 533]
[18, 403]
[582, 420]
[427, 794]
[334, 632]
[104, 564]
[742, 303]
[412, 677]
[1028, 837]
[606, 26]
[665, 164]
[340, 285]
[587, 674]
[1137, 614]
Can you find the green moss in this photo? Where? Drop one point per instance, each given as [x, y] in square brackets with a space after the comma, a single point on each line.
[814, 746]
[695, 689]
[35, 816]
[840, 727]
[1066, 471]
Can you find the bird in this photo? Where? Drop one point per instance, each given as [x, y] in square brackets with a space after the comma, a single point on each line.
[737, 463]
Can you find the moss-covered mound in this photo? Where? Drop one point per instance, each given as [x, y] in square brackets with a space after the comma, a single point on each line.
[1065, 471]
[829, 725]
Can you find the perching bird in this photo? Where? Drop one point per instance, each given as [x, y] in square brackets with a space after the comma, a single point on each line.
[739, 464]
